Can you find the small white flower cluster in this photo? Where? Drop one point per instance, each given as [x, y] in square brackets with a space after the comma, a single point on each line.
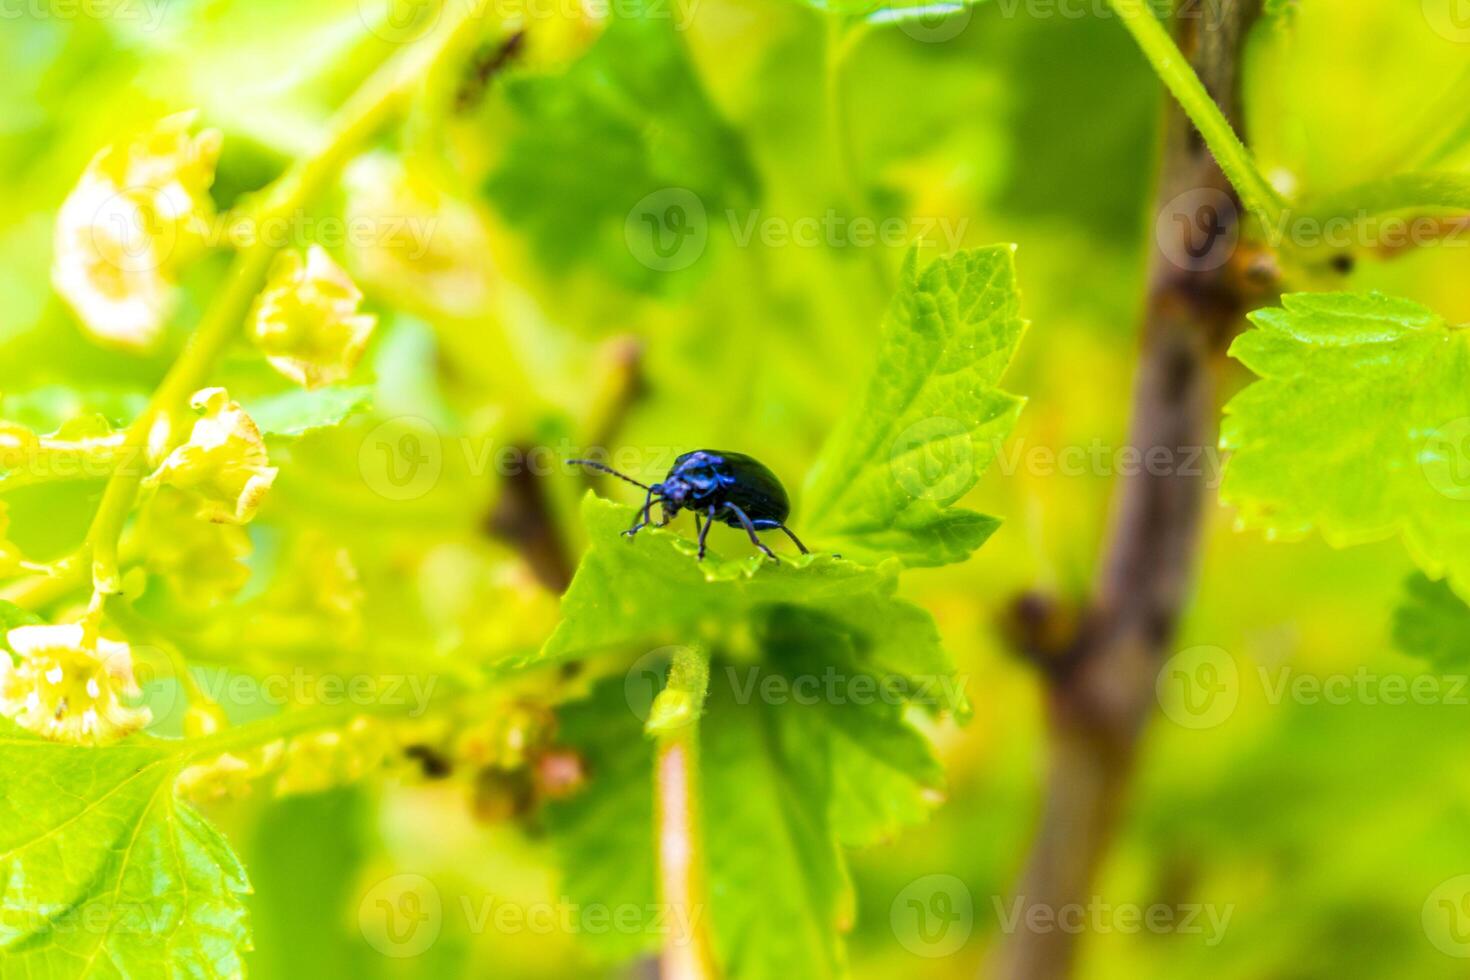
[69, 686]
[138, 212]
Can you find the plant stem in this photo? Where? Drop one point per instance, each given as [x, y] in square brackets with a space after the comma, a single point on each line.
[284, 725]
[48, 460]
[842, 37]
[1235, 161]
[1100, 686]
[365, 111]
[674, 722]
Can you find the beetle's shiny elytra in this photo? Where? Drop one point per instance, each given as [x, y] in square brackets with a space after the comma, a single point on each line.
[733, 488]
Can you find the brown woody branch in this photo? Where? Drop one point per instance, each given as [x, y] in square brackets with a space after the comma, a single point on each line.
[1100, 681]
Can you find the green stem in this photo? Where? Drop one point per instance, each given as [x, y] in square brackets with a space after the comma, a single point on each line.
[1447, 191]
[284, 725]
[365, 111]
[842, 37]
[674, 722]
[1235, 161]
[29, 462]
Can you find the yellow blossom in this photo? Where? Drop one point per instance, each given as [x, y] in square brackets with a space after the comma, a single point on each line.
[224, 464]
[225, 777]
[69, 687]
[306, 320]
[433, 255]
[137, 212]
[202, 563]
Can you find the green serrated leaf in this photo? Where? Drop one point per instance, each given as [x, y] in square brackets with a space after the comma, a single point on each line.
[1359, 427]
[1434, 623]
[106, 873]
[293, 414]
[778, 886]
[635, 105]
[931, 420]
[650, 591]
[884, 775]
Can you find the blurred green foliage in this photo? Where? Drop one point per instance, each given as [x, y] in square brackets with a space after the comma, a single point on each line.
[1324, 824]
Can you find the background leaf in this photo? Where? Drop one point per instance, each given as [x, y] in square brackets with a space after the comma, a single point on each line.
[1433, 623]
[932, 417]
[634, 112]
[295, 413]
[1359, 427]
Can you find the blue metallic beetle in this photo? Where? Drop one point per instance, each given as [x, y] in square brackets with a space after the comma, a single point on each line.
[731, 487]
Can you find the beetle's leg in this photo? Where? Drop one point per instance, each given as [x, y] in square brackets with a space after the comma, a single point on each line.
[795, 540]
[744, 520]
[703, 530]
[641, 521]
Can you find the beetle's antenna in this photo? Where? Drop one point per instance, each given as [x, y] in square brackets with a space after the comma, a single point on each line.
[608, 469]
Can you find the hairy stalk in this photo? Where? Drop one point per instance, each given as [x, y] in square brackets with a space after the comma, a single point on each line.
[1100, 685]
[364, 113]
[674, 723]
[1200, 99]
